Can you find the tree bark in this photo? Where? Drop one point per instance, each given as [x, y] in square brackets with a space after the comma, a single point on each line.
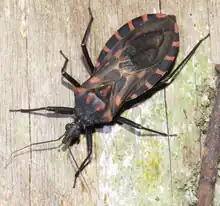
[210, 155]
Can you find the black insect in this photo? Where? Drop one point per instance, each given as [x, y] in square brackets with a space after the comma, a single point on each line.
[137, 59]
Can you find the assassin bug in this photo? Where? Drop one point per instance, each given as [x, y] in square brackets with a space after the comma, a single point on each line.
[136, 59]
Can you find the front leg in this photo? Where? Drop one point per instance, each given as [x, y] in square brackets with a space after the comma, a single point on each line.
[58, 110]
[88, 159]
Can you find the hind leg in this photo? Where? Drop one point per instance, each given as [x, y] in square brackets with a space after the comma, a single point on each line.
[84, 47]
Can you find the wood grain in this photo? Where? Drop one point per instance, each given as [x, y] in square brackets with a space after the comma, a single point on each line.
[127, 169]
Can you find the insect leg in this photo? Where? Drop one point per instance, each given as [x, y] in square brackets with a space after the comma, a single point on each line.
[122, 120]
[59, 110]
[88, 159]
[65, 74]
[170, 78]
[83, 44]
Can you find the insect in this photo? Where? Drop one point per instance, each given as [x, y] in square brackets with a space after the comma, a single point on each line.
[137, 59]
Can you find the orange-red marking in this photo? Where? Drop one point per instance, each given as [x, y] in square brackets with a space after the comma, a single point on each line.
[106, 49]
[108, 115]
[89, 98]
[105, 91]
[79, 91]
[94, 80]
[161, 73]
[159, 16]
[118, 100]
[76, 89]
[176, 43]
[100, 107]
[144, 18]
[176, 29]
[130, 25]
[97, 64]
[148, 85]
[133, 96]
[117, 35]
[169, 58]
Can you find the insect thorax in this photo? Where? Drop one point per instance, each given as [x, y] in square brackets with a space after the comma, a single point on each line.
[91, 109]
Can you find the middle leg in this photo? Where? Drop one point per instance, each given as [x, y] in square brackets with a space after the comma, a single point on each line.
[87, 160]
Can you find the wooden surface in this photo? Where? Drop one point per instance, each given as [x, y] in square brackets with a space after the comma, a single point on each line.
[127, 169]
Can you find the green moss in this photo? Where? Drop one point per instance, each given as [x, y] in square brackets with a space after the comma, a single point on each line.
[82, 187]
[47, 68]
[106, 200]
[151, 167]
[206, 96]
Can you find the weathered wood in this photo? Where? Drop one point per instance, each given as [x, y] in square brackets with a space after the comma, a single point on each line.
[126, 169]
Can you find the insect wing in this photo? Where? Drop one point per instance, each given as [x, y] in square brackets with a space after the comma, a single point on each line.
[165, 55]
[149, 21]
[136, 62]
